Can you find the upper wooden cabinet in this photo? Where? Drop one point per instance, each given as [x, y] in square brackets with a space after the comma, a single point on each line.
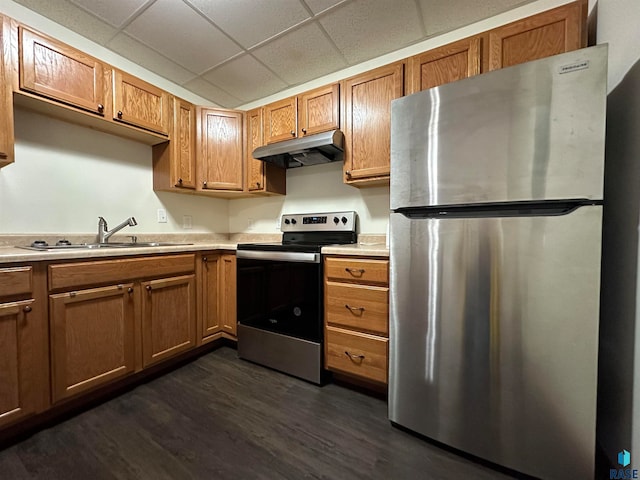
[174, 162]
[367, 124]
[55, 70]
[445, 64]
[220, 154]
[6, 100]
[319, 110]
[312, 112]
[139, 103]
[281, 120]
[262, 177]
[549, 33]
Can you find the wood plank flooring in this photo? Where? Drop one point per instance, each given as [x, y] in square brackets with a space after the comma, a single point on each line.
[219, 417]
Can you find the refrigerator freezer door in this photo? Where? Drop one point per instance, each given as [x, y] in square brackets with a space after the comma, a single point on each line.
[532, 132]
[494, 337]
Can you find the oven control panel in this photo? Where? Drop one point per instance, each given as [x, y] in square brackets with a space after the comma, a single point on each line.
[319, 222]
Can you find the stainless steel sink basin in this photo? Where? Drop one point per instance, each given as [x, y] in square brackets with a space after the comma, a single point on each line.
[141, 244]
[102, 245]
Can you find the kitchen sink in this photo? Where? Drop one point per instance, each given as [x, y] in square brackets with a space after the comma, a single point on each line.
[70, 246]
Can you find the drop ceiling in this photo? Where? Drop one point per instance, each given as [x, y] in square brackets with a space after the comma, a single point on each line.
[232, 52]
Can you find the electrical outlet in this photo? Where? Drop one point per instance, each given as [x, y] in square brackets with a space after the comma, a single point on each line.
[187, 222]
[162, 215]
[278, 219]
[250, 223]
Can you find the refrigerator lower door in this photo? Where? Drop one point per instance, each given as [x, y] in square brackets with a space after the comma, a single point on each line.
[494, 337]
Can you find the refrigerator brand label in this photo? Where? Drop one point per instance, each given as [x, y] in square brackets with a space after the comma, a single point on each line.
[572, 67]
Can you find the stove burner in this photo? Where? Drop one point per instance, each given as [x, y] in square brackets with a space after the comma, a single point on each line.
[64, 241]
[39, 243]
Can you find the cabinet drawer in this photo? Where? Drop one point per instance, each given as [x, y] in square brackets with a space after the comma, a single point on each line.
[358, 306]
[357, 354]
[15, 281]
[67, 275]
[374, 272]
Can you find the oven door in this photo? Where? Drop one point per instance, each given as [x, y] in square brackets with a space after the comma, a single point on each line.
[280, 292]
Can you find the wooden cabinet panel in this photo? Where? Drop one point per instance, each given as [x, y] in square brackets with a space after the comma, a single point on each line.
[367, 124]
[319, 110]
[445, 64]
[69, 275]
[365, 271]
[15, 281]
[139, 103]
[549, 33]
[357, 354]
[168, 317]
[361, 307]
[227, 279]
[210, 295]
[281, 120]
[55, 70]
[6, 97]
[255, 168]
[221, 156]
[92, 338]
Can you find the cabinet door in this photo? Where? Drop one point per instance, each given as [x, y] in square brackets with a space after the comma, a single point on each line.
[227, 290]
[445, 64]
[255, 168]
[17, 369]
[319, 110]
[55, 70]
[139, 103]
[209, 295]
[6, 100]
[221, 155]
[549, 33]
[280, 120]
[168, 318]
[184, 144]
[92, 338]
[367, 124]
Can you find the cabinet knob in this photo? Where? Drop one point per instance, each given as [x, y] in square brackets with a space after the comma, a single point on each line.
[293, 133]
[304, 130]
[348, 173]
[26, 309]
[204, 184]
[100, 108]
[119, 114]
[179, 181]
[258, 184]
[130, 290]
[148, 287]
[205, 259]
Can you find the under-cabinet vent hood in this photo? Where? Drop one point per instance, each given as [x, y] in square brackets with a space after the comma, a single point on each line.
[310, 150]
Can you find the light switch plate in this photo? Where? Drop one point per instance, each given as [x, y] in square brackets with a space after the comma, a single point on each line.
[162, 215]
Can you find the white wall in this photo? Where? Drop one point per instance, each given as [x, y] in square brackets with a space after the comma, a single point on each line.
[65, 176]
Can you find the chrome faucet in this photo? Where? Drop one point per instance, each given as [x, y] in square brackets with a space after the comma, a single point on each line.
[104, 234]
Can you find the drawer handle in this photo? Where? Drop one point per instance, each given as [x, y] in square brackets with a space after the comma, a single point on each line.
[356, 272]
[353, 356]
[354, 309]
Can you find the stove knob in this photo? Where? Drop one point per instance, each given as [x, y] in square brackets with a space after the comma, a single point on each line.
[287, 221]
[293, 221]
[344, 220]
[336, 220]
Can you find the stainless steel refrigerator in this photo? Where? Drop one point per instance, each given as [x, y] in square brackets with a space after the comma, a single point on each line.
[495, 245]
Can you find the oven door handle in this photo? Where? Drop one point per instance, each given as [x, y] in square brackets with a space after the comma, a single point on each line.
[303, 257]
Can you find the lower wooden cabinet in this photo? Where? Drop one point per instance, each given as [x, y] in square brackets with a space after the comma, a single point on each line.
[356, 306]
[217, 296]
[24, 367]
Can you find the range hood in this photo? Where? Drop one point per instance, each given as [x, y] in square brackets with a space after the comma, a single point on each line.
[310, 150]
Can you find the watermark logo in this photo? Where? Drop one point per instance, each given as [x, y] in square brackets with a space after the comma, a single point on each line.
[624, 460]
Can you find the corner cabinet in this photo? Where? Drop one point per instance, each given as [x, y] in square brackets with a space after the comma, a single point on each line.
[262, 177]
[220, 155]
[216, 296]
[6, 97]
[555, 31]
[24, 372]
[174, 161]
[367, 124]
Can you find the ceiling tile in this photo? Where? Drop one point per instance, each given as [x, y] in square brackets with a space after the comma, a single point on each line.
[364, 29]
[149, 59]
[114, 12]
[176, 30]
[246, 78]
[440, 17]
[67, 14]
[211, 92]
[301, 55]
[318, 6]
[270, 17]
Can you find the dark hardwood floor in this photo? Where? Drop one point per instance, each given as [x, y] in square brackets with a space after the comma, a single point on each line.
[223, 418]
